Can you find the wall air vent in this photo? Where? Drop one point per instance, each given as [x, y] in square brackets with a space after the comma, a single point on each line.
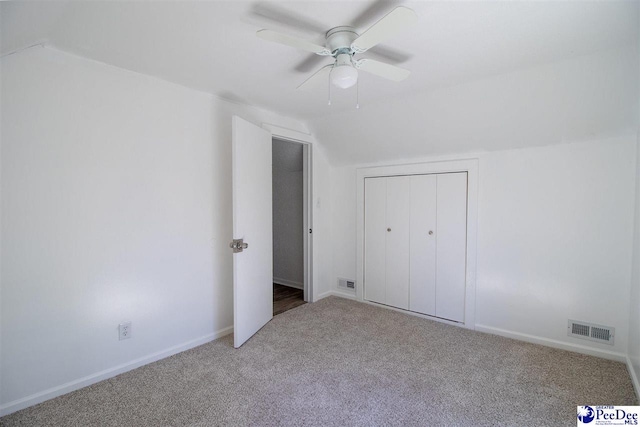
[347, 284]
[580, 330]
[591, 332]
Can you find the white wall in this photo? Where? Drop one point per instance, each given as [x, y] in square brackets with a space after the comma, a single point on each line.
[634, 300]
[344, 226]
[108, 215]
[288, 240]
[554, 237]
[116, 205]
[1, 107]
[323, 229]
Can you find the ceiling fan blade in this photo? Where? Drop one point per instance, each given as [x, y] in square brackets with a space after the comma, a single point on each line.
[317, 77]
[286, 18]
[310, 63]
[372, 12]
[272, 36]
[386, 54]
[396, 20]
[382, 69]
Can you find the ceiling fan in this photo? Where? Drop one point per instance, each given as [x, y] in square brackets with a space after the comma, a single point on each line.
[343, 43]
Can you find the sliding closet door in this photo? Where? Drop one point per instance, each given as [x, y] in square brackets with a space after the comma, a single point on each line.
[397, 244]
[375, 202]
[422, 288]
[451, 235]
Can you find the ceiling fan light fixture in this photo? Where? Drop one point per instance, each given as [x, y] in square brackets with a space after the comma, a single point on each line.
[343, 74]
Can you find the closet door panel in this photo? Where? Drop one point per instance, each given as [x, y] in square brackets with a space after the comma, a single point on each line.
[375, 194]
[451, 237]
[397, 244]
[422, 276]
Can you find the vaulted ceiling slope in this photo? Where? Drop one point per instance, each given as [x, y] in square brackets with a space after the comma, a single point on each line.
[575, 100]
[455, 53]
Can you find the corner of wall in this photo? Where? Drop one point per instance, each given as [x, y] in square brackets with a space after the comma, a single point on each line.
[633, 351]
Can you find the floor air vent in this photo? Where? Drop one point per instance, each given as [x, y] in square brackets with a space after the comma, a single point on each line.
[589, 331]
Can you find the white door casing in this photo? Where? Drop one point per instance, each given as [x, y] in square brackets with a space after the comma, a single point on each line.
[285, 134]
[252, 221]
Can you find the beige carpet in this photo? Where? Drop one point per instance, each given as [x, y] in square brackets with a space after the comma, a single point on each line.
[339, 362]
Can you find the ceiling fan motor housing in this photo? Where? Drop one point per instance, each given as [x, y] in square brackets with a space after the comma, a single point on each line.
[339, 39]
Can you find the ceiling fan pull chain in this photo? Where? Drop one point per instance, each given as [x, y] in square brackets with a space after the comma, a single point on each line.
[358, 94]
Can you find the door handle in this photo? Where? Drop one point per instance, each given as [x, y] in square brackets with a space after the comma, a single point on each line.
[238, 245]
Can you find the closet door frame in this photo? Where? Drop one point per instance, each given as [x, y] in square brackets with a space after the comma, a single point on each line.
[470, 166]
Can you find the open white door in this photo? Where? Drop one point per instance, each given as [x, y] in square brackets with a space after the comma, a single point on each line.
[252, 222]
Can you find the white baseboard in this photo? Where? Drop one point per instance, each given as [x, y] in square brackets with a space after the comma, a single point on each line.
[343, 294]
[289, 283]
[605, 354]
[634, 377]
[42, 396]
[336, 293]
[322, 296]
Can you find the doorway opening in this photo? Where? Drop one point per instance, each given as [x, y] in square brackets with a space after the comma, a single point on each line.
[290, 174]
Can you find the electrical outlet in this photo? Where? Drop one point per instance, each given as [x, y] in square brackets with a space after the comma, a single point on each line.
[124, 330]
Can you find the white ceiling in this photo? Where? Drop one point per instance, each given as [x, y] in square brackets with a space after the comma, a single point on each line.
[211, 46]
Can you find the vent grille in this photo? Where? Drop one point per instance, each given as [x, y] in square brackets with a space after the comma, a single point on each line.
[346, 284]
[600, 333]
[589, 331]
[578, 329]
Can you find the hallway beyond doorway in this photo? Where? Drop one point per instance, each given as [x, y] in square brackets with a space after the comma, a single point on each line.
[285, 298]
